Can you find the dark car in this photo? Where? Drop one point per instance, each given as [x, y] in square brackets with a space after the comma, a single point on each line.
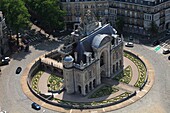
[18, 70]
[4, 62]
[157, 42]
[36, 106]
[169, 58]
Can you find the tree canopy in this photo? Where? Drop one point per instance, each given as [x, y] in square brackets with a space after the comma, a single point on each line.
[48, 12]
[16, 14]
[120, 24]
[153, 28]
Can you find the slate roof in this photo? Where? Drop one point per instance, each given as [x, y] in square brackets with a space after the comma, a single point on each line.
[85, 44]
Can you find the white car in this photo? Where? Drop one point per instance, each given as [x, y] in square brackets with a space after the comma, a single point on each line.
[129, 44]
[7, 58]
[166, 51]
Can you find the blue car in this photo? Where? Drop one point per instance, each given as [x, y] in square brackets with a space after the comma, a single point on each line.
[36, 106]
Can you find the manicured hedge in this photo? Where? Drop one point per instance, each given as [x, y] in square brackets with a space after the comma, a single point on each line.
[104, 91]
[94, 103]
[35, 80]
[55, 83]
[141, 69]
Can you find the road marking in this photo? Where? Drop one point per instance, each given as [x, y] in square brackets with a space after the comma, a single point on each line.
[157, 48]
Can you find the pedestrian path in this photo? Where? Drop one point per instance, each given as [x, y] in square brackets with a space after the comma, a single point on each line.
[42, 84]
[134, 70]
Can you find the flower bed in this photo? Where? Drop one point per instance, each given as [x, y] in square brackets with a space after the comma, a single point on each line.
[94, 103]
[141, 69]
[103, 91]
[125, 76]
[55, 83]
[35, 80]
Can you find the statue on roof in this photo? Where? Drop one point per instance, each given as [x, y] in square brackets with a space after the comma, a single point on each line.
[88, 23]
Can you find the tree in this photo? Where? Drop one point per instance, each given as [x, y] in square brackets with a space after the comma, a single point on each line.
[16, 15]
[49, 12]
[120, 24]
[153, 28]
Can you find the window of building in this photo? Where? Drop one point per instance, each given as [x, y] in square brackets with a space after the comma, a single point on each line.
[125, 13]
[130, 13]
[135, 14]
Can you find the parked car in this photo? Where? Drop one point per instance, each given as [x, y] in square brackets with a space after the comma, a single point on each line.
[36, 106]
[155, 43]
[6, 58]
[166, 51]
[169, 58]
[129, 44]
[18, 70]
[4, 61]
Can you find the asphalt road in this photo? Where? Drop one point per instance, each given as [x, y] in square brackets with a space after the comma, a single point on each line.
[13, 100]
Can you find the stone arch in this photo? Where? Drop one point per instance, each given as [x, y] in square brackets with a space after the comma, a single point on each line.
[103, 63]
[79, 89]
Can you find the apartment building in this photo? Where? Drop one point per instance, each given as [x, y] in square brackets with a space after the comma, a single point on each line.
[137, 14]
[4, 47]
[76, 8]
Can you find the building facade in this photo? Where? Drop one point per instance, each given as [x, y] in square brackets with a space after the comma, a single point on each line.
[95, 53]
[137, 14]
[75, 9]
[4, 47]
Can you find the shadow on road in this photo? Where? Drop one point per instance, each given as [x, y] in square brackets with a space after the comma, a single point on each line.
[21, 55]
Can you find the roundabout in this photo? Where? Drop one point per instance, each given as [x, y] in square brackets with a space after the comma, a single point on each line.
[120, 91]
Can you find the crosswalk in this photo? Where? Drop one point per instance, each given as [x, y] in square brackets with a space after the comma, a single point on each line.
[34, 39]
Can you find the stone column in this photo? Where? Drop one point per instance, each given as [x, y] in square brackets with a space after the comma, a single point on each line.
[109, 62]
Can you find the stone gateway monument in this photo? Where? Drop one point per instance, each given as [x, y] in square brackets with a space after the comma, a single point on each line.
[96, 52]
